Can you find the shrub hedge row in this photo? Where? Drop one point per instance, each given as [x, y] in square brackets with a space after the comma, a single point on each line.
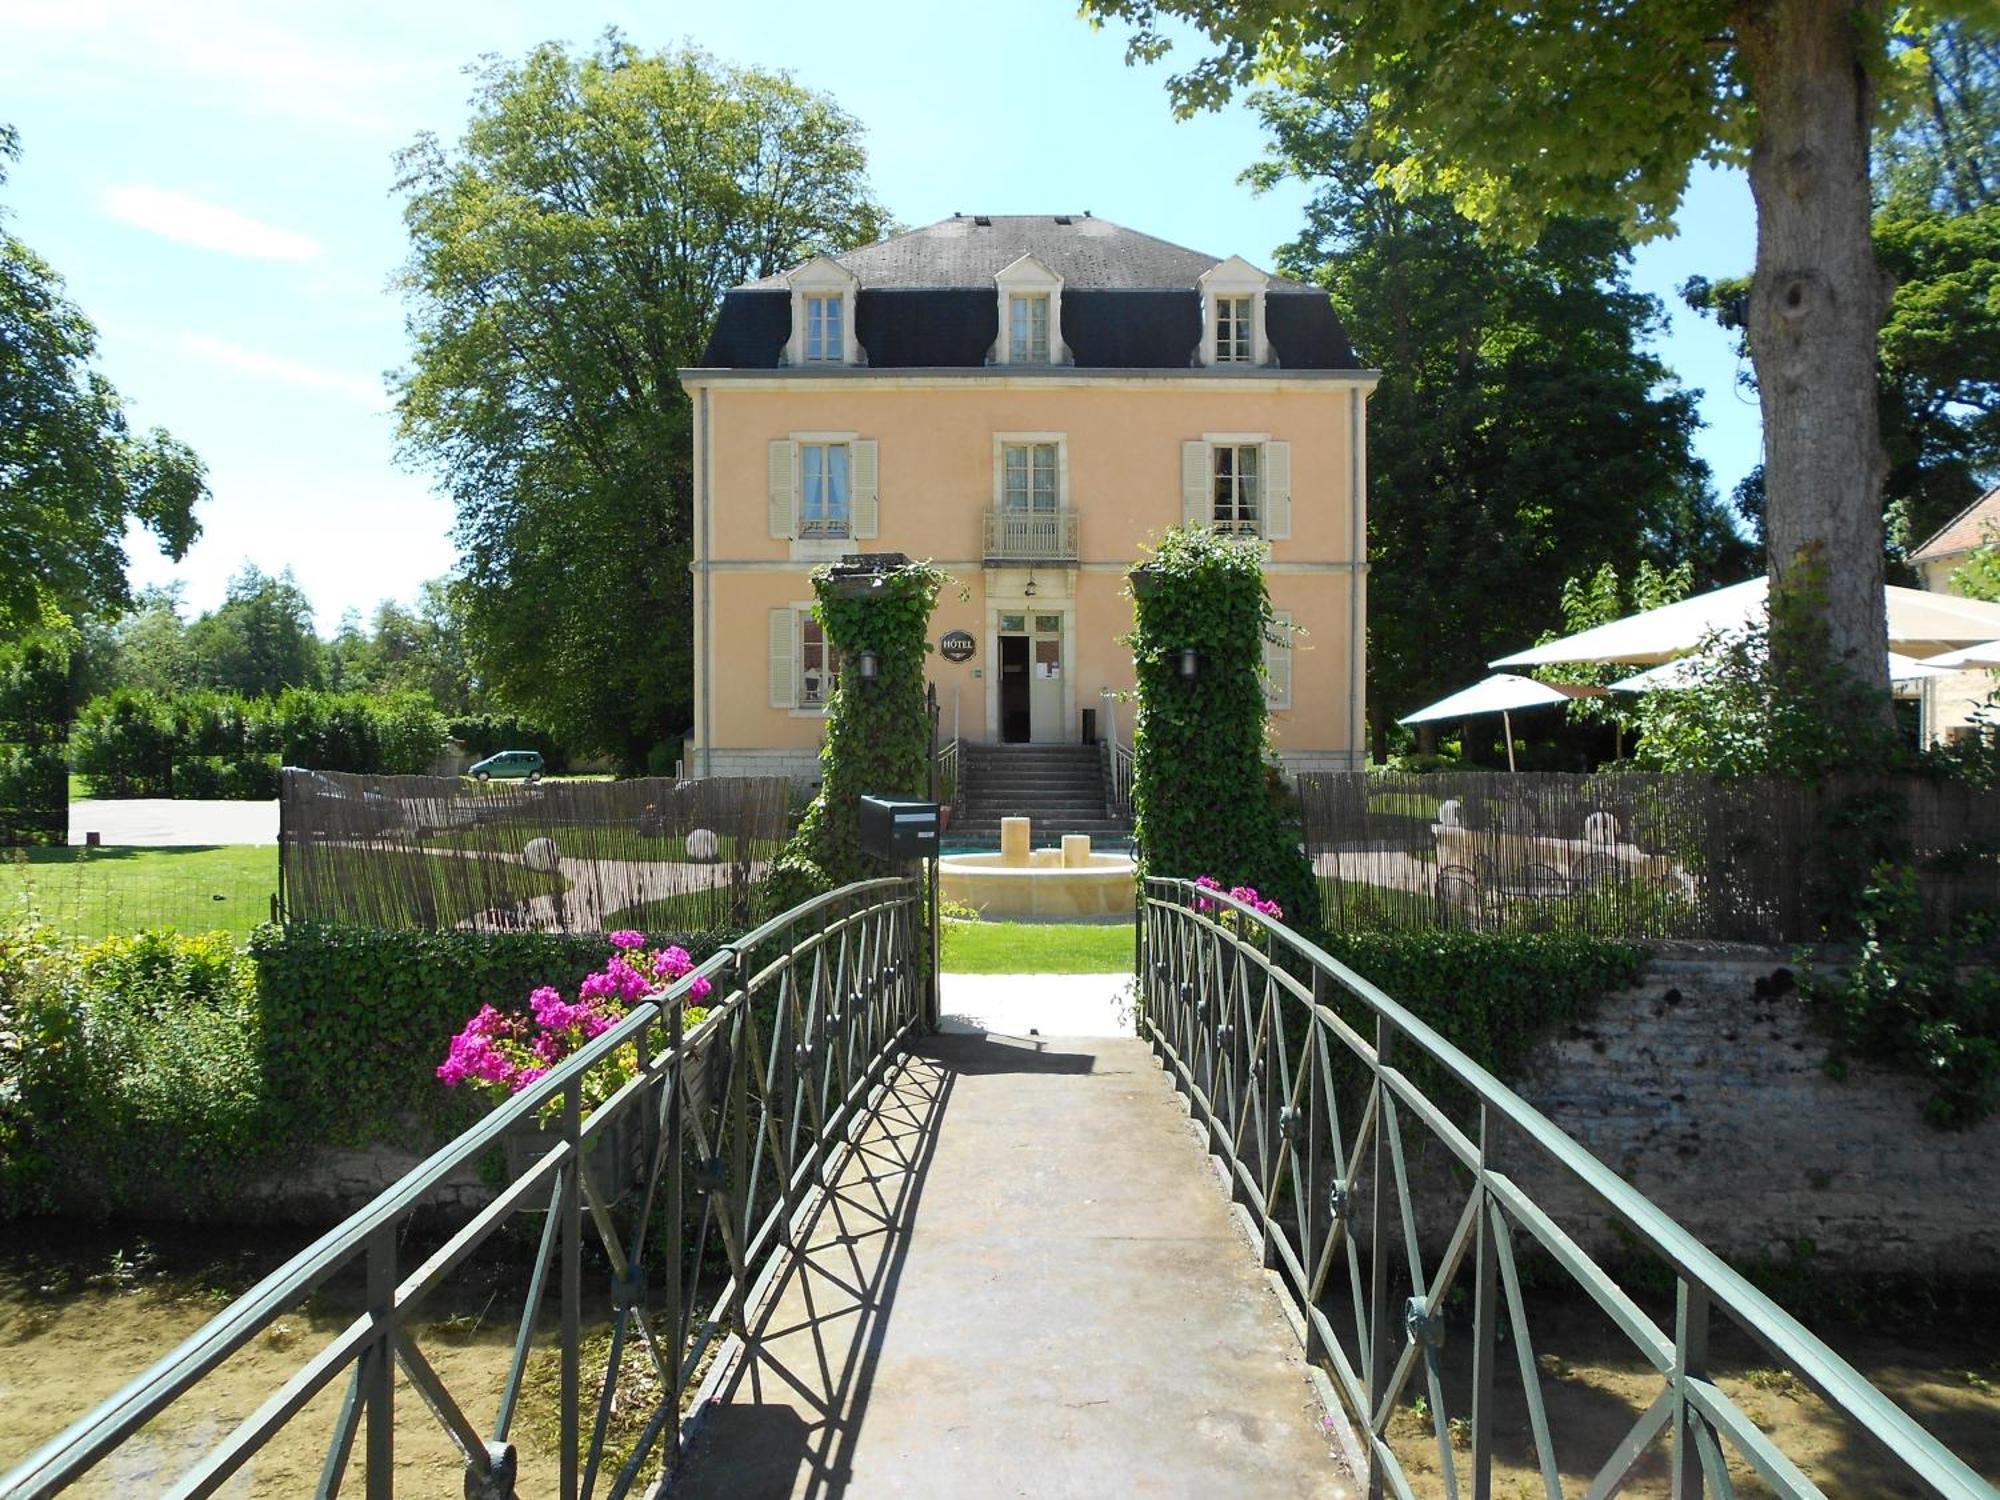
[34, 721]
[131, 743]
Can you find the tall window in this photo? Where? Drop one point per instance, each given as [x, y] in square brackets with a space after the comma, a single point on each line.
[823, 336]
[1028, 328]
[819, 664]
[823, 490]
[1233, 317]
[1028, 479]
[1236, 466]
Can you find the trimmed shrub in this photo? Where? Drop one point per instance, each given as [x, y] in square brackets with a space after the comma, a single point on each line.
[355, 1020]
[1493, 995]
[205, 744]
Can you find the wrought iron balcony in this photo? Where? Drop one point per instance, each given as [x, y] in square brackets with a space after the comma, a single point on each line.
[1030, 536]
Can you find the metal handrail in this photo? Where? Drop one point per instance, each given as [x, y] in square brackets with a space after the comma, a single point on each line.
[1232, 1001]
[948, 766]
[840, 998]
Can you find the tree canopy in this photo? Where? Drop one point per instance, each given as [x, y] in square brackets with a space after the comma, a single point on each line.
[567, 257]
[72, 472]
[1521, 432]
[1593, 108]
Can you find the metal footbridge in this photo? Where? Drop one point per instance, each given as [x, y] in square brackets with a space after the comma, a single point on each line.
[1288, 1240]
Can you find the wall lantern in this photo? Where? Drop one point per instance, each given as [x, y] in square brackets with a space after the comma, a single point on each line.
[1029, 591]
[869, 664]
[1189, 664]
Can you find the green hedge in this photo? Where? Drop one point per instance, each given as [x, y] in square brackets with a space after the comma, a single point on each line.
[1494, 995]
[34, 722]
[356, 1019]
[130, 743]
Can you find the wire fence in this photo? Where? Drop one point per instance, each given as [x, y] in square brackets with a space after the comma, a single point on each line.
[429, 852]
[1640, 856]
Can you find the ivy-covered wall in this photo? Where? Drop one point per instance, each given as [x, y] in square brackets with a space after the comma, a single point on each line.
[1202, 801]
[878, 734]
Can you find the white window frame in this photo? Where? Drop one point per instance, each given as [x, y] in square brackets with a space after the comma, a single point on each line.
[1238, 441]
[1002, 441]
[1234, 277]
[827, 447]
[1028, 277]
[823, 277]
[1276, 483]
[802, 616]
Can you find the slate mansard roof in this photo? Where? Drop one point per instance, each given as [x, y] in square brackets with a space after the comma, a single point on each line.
[927, 300]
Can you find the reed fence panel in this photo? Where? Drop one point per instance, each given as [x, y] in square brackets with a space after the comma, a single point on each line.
[433, 852]
[1639, 856]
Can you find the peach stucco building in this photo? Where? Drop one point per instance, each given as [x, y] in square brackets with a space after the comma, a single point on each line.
[1024, 401]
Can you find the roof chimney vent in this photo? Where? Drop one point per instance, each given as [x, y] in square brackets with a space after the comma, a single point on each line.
[983, 221]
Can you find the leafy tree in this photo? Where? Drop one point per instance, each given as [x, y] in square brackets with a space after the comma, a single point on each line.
[567, 256]
[1943, 153]
[72, 472]
[150, 644]
[260, 641]
[1525, 113]
[1520, 431]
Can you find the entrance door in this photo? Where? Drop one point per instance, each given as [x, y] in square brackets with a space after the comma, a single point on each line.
[1045, 696]
[1016, 723]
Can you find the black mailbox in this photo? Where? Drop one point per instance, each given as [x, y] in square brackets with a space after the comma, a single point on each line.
[899, 829]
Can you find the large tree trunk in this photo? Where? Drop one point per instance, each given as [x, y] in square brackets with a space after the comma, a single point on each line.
[1816, 305]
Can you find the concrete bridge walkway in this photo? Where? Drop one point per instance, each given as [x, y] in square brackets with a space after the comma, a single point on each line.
[1027, 1281]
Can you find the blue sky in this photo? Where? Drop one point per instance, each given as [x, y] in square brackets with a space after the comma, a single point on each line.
[215, 181]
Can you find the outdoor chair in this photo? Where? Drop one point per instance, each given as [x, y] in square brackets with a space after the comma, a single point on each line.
[1459, 897]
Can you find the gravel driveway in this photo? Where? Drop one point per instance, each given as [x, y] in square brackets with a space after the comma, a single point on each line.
[162, 822]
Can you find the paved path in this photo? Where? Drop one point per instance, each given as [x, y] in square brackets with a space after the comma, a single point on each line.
[1026, 1282]
[163, 823]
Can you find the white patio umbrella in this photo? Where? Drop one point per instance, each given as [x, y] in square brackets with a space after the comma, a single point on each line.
[1985, 654]
[1686, 672]
[1501, 694]
[1921, 624]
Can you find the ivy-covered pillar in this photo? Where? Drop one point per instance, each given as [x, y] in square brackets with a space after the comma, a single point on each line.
[878, 737]
[1202, 801]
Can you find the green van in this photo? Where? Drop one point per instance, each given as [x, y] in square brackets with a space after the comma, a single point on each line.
[526, 764]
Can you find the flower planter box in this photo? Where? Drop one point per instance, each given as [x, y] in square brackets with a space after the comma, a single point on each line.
[615, 1160]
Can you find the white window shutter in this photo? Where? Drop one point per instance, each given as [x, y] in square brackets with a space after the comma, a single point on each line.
[784, 488]
[1278, 661]
[784, 648]
[863, 483]
[1197, 484]
[1277, 496]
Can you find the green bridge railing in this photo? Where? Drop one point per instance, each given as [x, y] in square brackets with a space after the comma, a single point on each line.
[1301, 1073]
[715, 1145]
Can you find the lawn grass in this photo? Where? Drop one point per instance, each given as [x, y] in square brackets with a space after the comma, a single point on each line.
[90, 893]
[1037, 948]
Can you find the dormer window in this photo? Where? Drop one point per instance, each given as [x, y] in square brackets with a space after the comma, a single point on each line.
[1234, 322]
[1030, 315]
[1028, 327]
[1232, 315]
[823, 293]
[824, 342]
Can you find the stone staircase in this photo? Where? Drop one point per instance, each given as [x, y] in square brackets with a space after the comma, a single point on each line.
[1059, 787]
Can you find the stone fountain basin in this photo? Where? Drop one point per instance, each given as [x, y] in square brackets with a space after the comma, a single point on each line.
[1045, 888]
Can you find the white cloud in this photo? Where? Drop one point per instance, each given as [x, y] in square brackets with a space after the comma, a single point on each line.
[190, 221]
[290, 371]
